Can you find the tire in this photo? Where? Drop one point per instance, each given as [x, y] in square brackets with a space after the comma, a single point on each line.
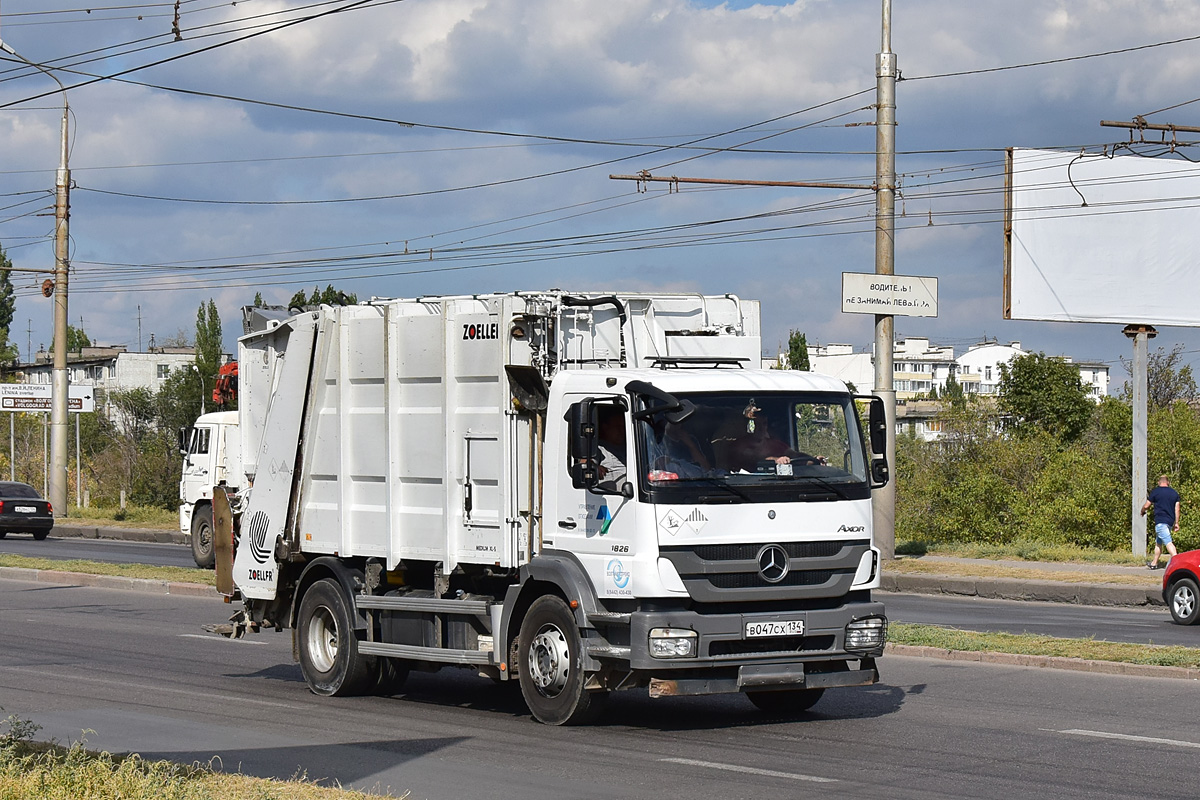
[202, 537]
[392, 675]
[40, 535]
[550, 659]
[1184, 601]
[787, 702]
[328, 646]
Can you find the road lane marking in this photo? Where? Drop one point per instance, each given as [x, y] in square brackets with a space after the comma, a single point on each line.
[1128, 737]
[212, 636]
[770, 773]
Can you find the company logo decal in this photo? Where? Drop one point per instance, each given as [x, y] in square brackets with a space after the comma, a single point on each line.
[852, 528]
[604, 517]
[617, 573]
[257, 535]
[481, 331]
[773, 563]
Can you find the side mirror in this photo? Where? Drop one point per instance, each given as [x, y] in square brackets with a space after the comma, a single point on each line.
[879, 439]
[183, 441]
[582, 448]
[878, 425]
[877, 432]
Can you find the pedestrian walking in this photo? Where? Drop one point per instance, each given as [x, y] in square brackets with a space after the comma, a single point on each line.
[1165, 501]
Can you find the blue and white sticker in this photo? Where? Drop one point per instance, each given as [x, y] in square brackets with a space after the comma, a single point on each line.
[618, 580]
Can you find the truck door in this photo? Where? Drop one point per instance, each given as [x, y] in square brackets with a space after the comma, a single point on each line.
[595, 508]
[197, 478]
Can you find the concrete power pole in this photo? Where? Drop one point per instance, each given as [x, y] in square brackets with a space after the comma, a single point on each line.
[884, 500]
[57, 478]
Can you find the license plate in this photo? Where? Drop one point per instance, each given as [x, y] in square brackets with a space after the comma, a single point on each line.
[25, 509]
[786, 627]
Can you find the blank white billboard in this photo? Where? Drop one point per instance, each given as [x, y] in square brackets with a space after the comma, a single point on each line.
[1091, 238]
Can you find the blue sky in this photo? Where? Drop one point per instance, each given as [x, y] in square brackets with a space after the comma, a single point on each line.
[262, 158]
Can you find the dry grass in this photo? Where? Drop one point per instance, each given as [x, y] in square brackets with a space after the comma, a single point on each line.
[145, 571]
[917, 566]
[32, 772]
[144, 517]
[1032, 644]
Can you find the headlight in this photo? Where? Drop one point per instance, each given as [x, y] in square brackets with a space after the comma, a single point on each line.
[868, 633]
[672, 643]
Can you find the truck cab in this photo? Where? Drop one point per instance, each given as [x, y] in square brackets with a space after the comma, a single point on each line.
[780, 458]
[211, 451]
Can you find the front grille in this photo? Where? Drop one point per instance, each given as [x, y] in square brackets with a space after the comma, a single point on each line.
[785, 644]
[715, 573]
[752, 580]
[744, 552]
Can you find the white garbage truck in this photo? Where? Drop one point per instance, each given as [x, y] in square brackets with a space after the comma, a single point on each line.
[581, 492]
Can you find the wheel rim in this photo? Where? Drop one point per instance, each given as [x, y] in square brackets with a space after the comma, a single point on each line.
[204, 535]
[1185, 601]
[322, 640]
[549, 660]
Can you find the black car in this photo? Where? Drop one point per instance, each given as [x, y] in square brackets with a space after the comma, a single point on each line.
[22, 510]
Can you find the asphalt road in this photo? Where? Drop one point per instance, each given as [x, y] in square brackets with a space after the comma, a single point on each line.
[107, 550]
[1145, 625]
[1114, 624]
[136, 671]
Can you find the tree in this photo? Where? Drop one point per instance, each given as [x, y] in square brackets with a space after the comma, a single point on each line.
[77, 339]
[258, 300]
[1045, 393]
[952, 392]
[209, 340]
[8, 306]
[329, 297]
[797, 355]
[1167, 381]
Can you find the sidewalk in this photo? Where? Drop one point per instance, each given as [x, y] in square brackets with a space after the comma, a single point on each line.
[1085, 584]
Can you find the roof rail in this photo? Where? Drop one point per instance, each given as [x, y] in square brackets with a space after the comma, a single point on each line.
[713, 362]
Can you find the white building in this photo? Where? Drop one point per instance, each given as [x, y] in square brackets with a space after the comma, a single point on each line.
[919, 366]
[980, 367]
[110, 368]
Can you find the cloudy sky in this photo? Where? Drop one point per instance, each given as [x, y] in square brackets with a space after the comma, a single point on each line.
[416, 147]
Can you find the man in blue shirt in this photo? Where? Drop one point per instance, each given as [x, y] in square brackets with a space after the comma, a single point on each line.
[1166, 518]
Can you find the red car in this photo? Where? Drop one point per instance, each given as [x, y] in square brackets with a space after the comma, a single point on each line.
[1181, 587]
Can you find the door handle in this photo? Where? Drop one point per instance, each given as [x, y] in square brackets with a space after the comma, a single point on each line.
[567, 523]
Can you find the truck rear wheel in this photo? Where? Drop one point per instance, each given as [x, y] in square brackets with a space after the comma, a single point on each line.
[329, 656]
[787, 702]
[202, 537]
[551, 666]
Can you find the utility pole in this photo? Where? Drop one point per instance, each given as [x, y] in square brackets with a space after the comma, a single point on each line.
[1141, 335]
[884, 499]
[57, 478]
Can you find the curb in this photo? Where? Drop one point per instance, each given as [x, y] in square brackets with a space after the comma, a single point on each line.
[1088, 594]
[1044, 662]
[66, 530]
[145, 585]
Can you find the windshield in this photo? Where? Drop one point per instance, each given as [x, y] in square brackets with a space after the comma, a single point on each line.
[808, 440]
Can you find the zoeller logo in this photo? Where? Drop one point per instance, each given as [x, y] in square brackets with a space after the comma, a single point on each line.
[852, 529]
[257, 534]
[772, 563]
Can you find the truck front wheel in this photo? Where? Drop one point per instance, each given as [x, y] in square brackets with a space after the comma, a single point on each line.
[551, 666]
[329, 656]
[202, 537]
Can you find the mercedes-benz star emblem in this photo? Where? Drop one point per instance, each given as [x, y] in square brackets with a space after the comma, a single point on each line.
[772, 563]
